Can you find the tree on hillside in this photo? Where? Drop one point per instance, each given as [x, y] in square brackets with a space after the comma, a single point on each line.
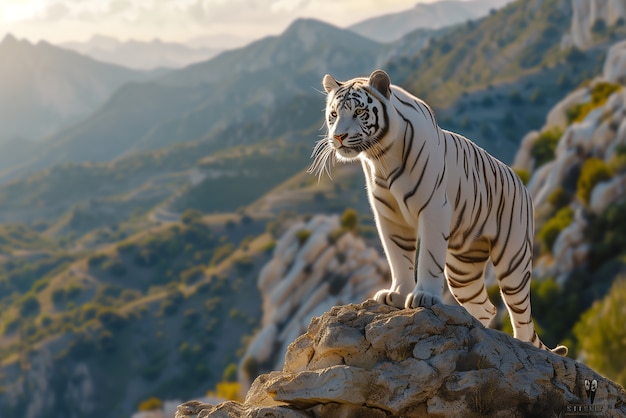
[350, 219]
[602, 336]
[190, 216]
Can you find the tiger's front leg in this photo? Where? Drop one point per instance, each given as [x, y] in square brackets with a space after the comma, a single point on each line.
[434, 231]
[400, 244]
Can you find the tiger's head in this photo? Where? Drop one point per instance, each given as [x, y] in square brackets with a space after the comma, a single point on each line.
[356, 118]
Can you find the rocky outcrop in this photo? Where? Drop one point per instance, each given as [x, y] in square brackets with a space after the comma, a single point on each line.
[615, 63]
[372, 360]
[597, 135]
[586, 13]
[315, 266]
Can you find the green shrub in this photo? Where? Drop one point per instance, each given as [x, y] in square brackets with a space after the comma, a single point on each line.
[544, 146]
[192, 274]
[230, 373]
[601, 334]
[269, 247]
[523, 174]
[150, 404]
[227, 390]
[251, 367]
[111, 319]
[244, 264]
[40, 284]
[29, 305]
[221, 253]
[58, 296]
[607, 234]
[172, 302]
[350, 220]
[191, 215]
[600, 92]
[12, 325]
[126, 247]
[335, 234]
[550, 231]
[88, 312]
[593, 171]
[96, 260]
[617, 164]
[190, 318]
[302, 236]
[114, 267]
[45, 321]
[559, 198]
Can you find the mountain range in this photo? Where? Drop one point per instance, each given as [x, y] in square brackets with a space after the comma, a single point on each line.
[436, 15]
[233, 89]
[60, 89]
[43, 87]
[203, 101]
[141, 55]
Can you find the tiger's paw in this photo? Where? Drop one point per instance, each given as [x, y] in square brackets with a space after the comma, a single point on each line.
[561, 350]
[388, 297]
[420, 299]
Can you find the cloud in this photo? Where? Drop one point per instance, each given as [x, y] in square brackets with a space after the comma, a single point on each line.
[177, 19]
[200, 11]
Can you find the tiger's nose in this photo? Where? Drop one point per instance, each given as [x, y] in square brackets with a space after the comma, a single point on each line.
[340, 137]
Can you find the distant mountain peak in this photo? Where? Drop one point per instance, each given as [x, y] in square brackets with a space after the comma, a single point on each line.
[309, 25]
[311, 31]
[435, 15]
[9, 38]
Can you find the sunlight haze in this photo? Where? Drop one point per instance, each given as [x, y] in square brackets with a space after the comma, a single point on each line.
[177, 20]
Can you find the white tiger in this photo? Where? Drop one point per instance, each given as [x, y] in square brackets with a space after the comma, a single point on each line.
[434, 194]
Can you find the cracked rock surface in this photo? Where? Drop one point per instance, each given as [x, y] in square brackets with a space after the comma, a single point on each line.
[372, 360]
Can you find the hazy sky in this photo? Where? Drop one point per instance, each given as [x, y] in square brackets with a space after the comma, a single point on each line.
[177, 20]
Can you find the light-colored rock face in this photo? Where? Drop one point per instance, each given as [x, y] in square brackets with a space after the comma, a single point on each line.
[371, 360]
[614, 69]
[306, 279]
[586, 13]
[598, 135]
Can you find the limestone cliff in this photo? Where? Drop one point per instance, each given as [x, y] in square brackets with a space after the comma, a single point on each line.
[372, 360]
[315, 266]
[586, 13]
[592, 120]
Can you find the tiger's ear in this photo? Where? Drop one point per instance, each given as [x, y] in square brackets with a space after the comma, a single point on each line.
[329, 83]
[380, 81]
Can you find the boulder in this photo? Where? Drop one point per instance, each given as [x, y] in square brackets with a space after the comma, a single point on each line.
[372, 360]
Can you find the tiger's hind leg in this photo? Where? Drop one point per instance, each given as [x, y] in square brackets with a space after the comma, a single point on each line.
[465, 275]
[513, 272]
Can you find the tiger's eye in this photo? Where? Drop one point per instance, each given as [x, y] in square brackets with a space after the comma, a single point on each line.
[359, 111]
[333, 114]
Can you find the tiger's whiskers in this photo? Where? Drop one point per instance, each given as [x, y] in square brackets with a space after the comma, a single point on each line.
[323, 157]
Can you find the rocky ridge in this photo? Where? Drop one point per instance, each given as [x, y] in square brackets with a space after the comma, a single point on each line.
[372, 360]
[315, 265]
